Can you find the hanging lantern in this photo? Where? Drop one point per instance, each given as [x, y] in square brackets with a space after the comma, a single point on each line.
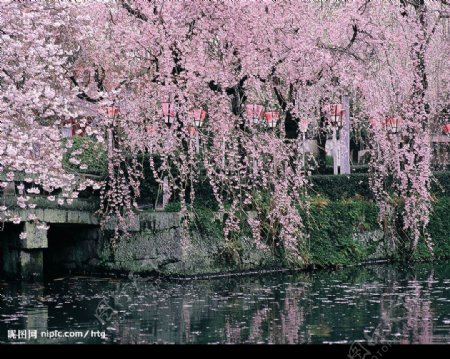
[253, 113]
[168, 112]
[197, 116]
[272, 118]
[303, 125]
[335, 114]
[393, 125]
[373, 122]
[446, 129]
[192, 131]
[111, 111]
[72, 128]
[68, 129]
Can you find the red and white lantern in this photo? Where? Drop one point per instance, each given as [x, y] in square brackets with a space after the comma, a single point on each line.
[168, 112]
[303, 125]
[192, 131]
[68, 129]
[111, 111]
[374, 123]
[253, 113]
[272, 118]
[335, 113]
[198, 117]
[393, 125]
[446, 129]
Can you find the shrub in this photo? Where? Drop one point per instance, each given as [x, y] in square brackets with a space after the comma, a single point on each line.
[173, 207]
[341, 186]
[357, 184]
[439, 229]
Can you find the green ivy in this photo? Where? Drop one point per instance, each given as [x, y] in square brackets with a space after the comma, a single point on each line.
[331, 226]
[357, 184]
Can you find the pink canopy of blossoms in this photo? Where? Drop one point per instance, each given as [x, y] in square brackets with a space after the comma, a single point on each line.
[119, 62]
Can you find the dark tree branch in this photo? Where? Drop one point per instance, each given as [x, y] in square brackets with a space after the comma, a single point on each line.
[346, 48]
[82, 94]
[136, 13]
[280, 98]
[363, 7]
[100, 78]
[214, 86]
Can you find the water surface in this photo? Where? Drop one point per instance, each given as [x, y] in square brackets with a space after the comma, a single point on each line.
[383, 303]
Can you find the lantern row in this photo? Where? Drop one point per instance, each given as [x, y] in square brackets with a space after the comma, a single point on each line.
[255, 114]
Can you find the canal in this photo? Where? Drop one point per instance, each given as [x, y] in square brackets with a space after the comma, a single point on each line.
[378, 303]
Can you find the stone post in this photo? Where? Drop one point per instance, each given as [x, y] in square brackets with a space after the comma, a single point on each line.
[345, 138]
[24, 258]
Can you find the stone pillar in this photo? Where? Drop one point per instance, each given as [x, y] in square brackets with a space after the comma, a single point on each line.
[335, 152]
[345, 138]
[24, 258]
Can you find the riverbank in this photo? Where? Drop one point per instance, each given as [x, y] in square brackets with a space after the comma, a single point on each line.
[342, 233]
[341, 230]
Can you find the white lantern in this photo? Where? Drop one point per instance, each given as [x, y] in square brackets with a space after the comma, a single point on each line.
[253, 113]
[198, 117]
[272, 118]
[168, 112]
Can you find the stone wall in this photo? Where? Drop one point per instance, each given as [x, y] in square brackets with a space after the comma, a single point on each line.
[158, 246]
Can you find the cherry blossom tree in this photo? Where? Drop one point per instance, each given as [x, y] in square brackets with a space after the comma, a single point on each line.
[37, 43]
[143, 70]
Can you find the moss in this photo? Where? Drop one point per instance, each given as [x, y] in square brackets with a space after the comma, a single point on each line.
[341, 232]
[439, 230]
[332, 227]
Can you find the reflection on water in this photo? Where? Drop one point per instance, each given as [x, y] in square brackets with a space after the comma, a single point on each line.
[374, 303]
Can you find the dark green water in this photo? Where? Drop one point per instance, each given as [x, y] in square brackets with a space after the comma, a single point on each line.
[382, 303]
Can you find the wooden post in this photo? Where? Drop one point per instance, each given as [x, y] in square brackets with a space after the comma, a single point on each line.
[255, 167]
[303, 149]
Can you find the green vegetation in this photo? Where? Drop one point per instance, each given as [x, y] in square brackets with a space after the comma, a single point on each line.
[439, 229]
[173, 207]
[93, 155]
[357, 184]
[341, 186]
[332, 227]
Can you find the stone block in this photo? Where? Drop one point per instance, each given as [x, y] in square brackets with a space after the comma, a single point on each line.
[10, 258]
[54, 216]
[31, 264]
[35, 237]
[81, 217]
[133, 222]
[160, 221]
